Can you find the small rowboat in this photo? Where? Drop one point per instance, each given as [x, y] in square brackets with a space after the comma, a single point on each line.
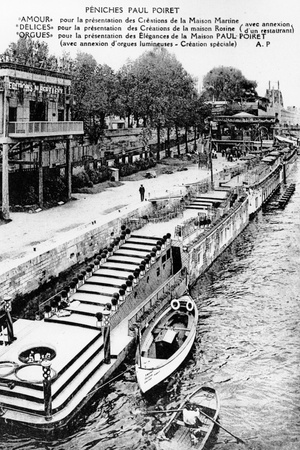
[166, 342]
[178, 434]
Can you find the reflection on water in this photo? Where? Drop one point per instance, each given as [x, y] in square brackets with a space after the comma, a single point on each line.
[247, 346]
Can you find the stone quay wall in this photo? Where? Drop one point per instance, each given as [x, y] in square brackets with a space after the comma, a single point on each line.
[31, 273]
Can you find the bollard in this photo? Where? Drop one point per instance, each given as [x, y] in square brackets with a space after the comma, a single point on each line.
[80, 280]
[117, 243]
[54, 306]
[142, 270]
[125, 287]
[89, 272]
[136, 275]
[131, 278]
[116, 297]
[65, 297]
[46, 366]
[47, 312]
[57, 299]
[122, 295]
[99, 317]
[147, 262]
[114, 304]
[153, 257]
[72, 288]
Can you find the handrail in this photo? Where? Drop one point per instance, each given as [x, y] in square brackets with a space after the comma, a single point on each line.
[43, 127]
[150, 301]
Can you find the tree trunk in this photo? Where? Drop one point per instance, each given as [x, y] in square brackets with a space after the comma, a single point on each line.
[158, 142]
[177, 139]
[168, 142]
[186, 140]
[40, 172]
[195, 138]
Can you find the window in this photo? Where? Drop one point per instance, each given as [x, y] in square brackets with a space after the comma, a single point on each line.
[12, 114]
[60, 115]
[37, 111]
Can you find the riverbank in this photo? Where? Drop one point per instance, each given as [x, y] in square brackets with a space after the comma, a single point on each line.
[26, 233]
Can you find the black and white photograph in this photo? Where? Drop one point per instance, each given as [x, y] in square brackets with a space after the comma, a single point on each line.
[149, 225]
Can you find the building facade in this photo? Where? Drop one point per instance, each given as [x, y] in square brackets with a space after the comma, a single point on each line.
[35, 110]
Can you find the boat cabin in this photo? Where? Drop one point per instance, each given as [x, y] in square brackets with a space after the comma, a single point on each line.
[170, 337]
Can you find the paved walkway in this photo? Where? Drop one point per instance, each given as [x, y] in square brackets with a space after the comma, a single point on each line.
[27, 232]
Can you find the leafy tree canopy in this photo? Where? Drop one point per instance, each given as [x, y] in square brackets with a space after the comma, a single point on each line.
[228, 84]
[94, 86]
[36, 53]
[155, 85]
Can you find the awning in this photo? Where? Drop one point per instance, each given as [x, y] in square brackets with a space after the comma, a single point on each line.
[284, 139]
[247, 157]
[269, 159]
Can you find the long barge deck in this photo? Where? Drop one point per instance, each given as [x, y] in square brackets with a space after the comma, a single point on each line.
[84, 335]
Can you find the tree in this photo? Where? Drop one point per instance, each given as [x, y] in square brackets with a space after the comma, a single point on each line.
[27, 51]
[94, 87]
[227, 84]
[36, 53]
[100, 99]
[125, 84]
[157, 87]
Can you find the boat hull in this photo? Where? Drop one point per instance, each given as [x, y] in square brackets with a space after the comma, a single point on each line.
[152, 371]
[176, 434]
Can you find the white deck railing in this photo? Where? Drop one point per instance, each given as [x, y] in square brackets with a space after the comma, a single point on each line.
[30, 129]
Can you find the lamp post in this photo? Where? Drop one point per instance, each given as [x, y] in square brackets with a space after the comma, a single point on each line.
[210, 157]
[9, 323]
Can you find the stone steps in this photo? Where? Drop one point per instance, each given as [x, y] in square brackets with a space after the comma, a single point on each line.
[80, 371]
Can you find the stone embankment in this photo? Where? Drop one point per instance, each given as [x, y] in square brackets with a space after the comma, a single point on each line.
[36, 248]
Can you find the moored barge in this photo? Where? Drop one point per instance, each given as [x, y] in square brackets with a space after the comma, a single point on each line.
[50, 368]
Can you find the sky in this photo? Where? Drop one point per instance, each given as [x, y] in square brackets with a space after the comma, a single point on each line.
[229, 33]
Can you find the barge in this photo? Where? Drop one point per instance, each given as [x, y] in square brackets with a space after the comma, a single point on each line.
[51, 367]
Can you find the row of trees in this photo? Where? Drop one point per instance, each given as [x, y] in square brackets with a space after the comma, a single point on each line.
[154, 90]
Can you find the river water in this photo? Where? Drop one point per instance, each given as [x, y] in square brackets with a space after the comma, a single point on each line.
[247, 347]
